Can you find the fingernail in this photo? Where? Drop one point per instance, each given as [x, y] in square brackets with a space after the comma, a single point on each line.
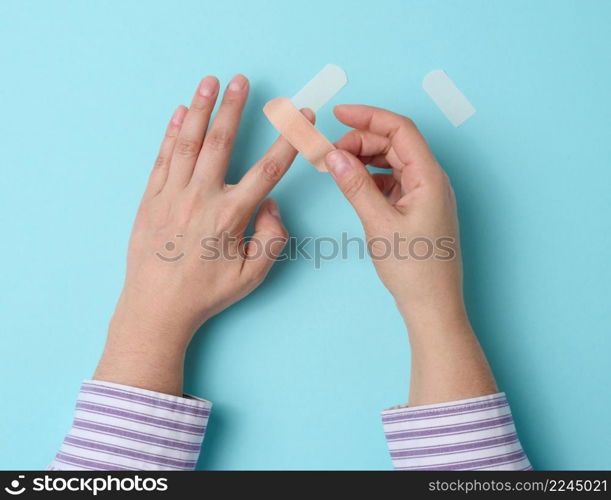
[308, 113]
[237, 83]
[208, 86]
[272, 206]
[338, 163]
[179, 116]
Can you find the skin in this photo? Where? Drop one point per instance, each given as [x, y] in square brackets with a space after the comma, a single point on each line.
[164, 302]
[415, 199]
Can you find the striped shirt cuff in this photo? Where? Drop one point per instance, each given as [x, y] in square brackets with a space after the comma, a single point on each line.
[117, 427]
[472, 434]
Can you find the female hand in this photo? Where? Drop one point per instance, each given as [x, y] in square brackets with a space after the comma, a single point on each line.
[187, 260]
[409, 217]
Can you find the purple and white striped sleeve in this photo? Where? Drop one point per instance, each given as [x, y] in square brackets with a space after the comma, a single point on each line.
[471, 434]
[117, 427]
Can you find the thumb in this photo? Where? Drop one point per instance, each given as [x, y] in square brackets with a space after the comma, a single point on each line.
[266, 243]
[357, 184]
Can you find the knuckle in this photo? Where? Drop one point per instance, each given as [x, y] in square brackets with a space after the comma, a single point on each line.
[409, 123]
[200, 104]
[436, 178]
[283, 235]
[161, 162]
[353, 137]
[187, 148]
[219, 140]
[275, 241]
[271, 169]
[171, 134]
[353, 185]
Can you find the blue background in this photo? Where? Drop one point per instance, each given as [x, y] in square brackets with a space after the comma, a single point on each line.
[299, 370]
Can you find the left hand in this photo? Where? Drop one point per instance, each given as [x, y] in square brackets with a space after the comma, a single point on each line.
[187, 260]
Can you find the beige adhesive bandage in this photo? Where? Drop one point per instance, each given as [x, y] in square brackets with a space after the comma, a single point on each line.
[299, 131]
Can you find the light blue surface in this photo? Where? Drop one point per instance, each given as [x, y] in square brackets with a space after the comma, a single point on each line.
[300, 369]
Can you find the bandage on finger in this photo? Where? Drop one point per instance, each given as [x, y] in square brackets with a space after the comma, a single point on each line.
[284, 114]
[299, 131]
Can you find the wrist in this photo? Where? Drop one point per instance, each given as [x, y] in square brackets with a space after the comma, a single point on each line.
[140, 355]
[437, 318]
[148, 337]
[145, 368]
[138, 362]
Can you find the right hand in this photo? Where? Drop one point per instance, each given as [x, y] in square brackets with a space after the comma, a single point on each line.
[415, 200]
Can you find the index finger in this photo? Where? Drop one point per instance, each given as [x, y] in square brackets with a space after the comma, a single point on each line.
[265, 174]
[405, 139]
